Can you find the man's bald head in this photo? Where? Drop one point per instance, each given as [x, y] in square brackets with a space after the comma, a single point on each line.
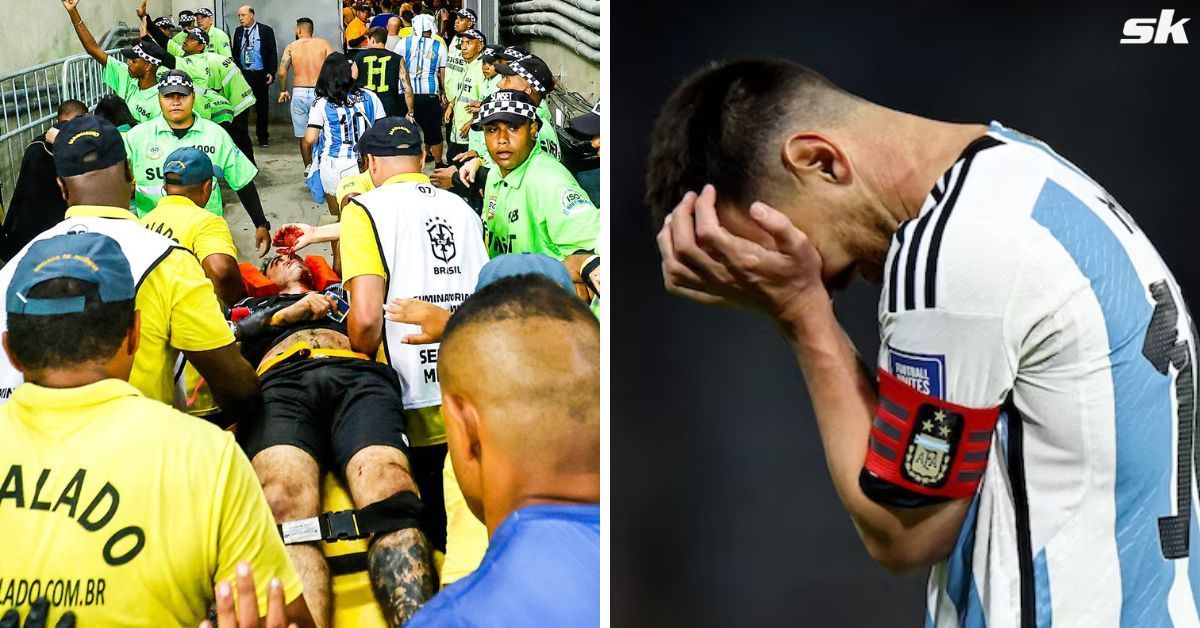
[519, 368]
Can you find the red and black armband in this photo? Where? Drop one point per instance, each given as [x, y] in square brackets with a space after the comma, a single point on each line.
[924, 450]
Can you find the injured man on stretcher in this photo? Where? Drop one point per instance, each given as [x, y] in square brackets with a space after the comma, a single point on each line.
[327, 408]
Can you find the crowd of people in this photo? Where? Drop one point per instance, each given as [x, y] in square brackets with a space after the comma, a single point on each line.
[407, 433]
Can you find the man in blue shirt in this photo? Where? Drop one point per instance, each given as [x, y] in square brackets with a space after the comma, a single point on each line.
[532, 429]
[255, 54]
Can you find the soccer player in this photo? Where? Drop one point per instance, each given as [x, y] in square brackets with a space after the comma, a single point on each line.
[148, 144]
[1027, 430]
[128, 512]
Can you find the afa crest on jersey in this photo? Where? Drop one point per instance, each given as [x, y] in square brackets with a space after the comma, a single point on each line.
[931, 446]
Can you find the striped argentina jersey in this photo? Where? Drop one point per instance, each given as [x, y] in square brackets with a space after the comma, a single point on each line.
[423, 56]
[341, 127]
[1024, 285]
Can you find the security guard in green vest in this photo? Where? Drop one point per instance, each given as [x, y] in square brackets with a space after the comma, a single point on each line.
[531, 202]
[149, 143]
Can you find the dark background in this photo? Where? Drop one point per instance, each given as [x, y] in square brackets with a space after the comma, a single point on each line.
[722, 510]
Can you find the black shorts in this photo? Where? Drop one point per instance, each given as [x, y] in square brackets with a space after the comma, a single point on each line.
[330, 408]
[428, 116]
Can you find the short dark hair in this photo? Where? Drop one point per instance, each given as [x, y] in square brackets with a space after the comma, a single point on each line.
[71, 108]
[95, 334]
[114, 109]
[407, 16]
[377, 35]
[305, 24]
[717, 128]
[519, 297]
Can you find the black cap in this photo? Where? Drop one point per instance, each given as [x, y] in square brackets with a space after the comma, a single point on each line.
[146, 50]
[469, 14]
[512, 53]
[205, 11]
[164, 22]
[176, 82]
[186, 17]
[506, 105]
[198, 34]
[87, 144]
[532, 69]
[392, 137]
[471, 33]
[490, 53]
[588, 124]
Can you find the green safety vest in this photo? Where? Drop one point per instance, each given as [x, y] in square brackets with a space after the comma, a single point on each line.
[149, 144]
[538, 208]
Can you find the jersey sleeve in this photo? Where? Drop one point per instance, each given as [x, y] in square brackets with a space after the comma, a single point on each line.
[316, 115]
[213, 237]
[196, 322]
[571, 220]
[350, 185]
[245, 530]
[116, 76]
[360, 252]
[239, 171]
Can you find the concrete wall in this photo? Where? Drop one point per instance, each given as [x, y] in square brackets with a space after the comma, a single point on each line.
[35, 31]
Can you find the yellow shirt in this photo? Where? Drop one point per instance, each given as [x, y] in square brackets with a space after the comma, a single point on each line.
[466, 536]
[355, 29]
[404, 32]
[194, 228]
[360, 183]
[126, 511]
[179, 309]
[360, 256]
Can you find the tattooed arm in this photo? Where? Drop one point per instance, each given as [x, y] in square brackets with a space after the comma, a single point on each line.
[400, 565]
[286, 61]
[408, 90]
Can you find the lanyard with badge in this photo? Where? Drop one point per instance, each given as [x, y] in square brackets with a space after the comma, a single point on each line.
[247, 40]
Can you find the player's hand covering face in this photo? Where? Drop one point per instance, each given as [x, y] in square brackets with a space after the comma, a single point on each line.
[703, 261]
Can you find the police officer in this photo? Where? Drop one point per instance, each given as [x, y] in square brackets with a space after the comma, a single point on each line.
[135, 79]
[149, 144]
[531, 202]
[218, 40]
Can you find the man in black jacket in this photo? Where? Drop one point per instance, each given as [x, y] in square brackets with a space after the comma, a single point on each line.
[255, 53]
[37, 203]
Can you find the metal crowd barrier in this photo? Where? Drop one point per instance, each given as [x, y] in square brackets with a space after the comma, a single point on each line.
[29, 101]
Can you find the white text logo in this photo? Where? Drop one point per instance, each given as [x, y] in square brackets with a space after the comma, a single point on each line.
[1141, 30]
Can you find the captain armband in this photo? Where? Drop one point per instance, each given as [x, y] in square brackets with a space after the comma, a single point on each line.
[924, 450]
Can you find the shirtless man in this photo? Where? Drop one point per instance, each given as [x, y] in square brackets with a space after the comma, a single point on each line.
[305, 56]
[326, 408]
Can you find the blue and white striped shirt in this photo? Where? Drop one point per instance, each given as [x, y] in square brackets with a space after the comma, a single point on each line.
[341, 127]
[423, 56]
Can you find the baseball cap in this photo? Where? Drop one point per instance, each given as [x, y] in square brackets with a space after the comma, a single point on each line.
[164, 22]
[198, 34]
[469, 14]
[512, 264]
[532, 69]
[587, 124]
[91, 257]
[186, 17]
[87, 144]
[512, 53]
[187, 166]
[147, 50]
[471, 33]
[176, 82]
[489, 53]
[206, 12]
[392, 137]
[506, 105]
